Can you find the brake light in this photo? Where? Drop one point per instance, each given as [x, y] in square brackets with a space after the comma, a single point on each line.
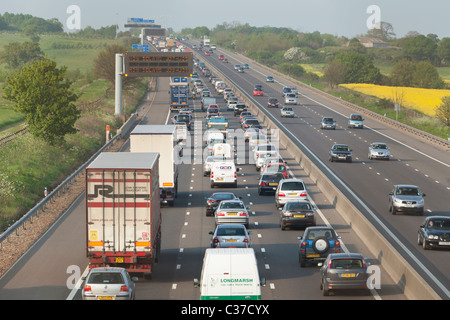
[235, 175]
[303, 194]
[303, 245]
[212, 174]
[281, 194]
[87, 288]
[124, 288]
[242, 214]
[364, 263]
[245, 240]
[216, 240]
[221, 214]
[287, 214]
[264, 184]
[337, 244]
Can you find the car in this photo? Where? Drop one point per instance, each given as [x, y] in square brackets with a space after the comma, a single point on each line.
[273, 167]
[109, 283]
[343, 271]
[263, 147]
[287, 112]
[221, 57]
[214, 200]
[208, 163]
[290, 98]
[297, 213]
[317, 243]
[258, 90]
[231, 236]
[355, 120]
[406, 198]
[237, 66]
[241, 70]
[272, 103]
[186, 118]
[328, 123]
[262, 155]
[239, 108]
[244, 114]
[249, 132]
[271, 160]
[245, 66]
[340, 152]
[246, 123]
[207, 53]
[434, 232]
[225, 60]
[232, 211]
[290, 189]
[268, 182]
[379, 150]
[256, 139]
[269, 79]
[286, 90]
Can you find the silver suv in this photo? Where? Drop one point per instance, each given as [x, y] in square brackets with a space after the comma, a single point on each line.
[406, 198]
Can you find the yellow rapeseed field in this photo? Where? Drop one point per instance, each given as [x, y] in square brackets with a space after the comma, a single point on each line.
[423, 100]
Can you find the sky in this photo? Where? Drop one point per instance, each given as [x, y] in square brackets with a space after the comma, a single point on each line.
[347, 18]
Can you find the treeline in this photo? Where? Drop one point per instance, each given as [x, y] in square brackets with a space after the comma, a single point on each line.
[27, 22]
[414, 58]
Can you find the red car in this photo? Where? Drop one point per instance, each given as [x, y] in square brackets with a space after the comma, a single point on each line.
[207, 53]
[277, 167]
[258, 91]
[221, 57]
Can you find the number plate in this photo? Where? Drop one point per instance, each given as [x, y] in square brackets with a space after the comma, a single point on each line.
[292, 194]
[231, 240]
[442, 243]
[105, 297]
[299, 215]
[232, 213]
[348, 275]
[273, 184]
[313, 255]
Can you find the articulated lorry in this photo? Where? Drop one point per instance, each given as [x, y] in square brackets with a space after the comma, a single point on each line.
[179, 92]
[163, 140]
[123, 214]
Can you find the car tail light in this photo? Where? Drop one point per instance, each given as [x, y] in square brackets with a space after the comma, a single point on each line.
[264, 184]
[212, 174]
[287, 214]
[245, 240]
[210, 202]
[124, 288]
[221, 214]
[87, 288]
[242, 214]
[337, 244]
[303, 194]
[216, 240]
[281, 194]
[303, 245]
[309, 214]
[235, 176]
[364, 263]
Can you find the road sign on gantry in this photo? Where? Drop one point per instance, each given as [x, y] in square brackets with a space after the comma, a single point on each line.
[158, 64]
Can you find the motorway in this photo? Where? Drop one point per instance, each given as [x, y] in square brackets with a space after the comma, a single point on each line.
[52, 268]
[367, 182]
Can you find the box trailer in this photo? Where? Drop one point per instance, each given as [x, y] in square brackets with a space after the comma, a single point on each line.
[123, 214]
[161, 139]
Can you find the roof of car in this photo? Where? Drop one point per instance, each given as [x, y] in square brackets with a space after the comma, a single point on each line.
[344, 255]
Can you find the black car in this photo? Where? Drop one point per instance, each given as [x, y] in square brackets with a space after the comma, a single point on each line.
[340, 152]
[434, 232]
[269, 182]
[317, 243]
[239, 108]
[213, 201]
[186, 118]
[249, 122]
[297, 213]
[272, 103]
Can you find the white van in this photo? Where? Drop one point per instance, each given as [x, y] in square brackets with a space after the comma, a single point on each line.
[223, 173]
[230, 274]
[223, 150]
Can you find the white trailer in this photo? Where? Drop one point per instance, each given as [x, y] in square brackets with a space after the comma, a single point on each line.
[161, 139]
[123, 214]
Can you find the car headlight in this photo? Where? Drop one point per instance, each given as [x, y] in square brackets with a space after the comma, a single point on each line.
[433, 237]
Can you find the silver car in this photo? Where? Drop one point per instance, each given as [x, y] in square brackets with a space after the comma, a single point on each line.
[328, 123]
[109, 283]
[230, 235]
[379, 150]
[232, 211]
[406, 198]
[287, 112]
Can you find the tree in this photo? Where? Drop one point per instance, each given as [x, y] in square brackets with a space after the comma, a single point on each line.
[402, 73]
[421, 74]
[443, 50]
[443, 111]
[105, 66]
[334, 72]
[41, 92]
[17, 54]
[419, 48]
[385, 32]
[359, 68]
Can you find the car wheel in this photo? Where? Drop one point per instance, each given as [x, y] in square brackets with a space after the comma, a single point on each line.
[419, 239]
[392, 209]
[325, 290]
[424, 244]
[302, 261]
[212, 184]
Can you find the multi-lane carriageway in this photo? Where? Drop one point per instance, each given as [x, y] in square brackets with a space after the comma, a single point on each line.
[46, 271]
[40, 275]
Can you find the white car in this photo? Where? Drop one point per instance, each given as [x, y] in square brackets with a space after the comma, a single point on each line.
[287, 112]
[290, 98]
[290, 189]
[262, 156]
[256, 139]
[379, 150]
[232, 211]
[263, 147]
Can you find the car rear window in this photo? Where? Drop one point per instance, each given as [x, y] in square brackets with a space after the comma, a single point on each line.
[298, 206]
[272, 177]
[346, 264]
[231, 232]
[106, 278]
[231, 205]
[226, 196]
[293, 185]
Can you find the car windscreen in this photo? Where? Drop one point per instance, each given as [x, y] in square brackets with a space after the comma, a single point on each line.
[440, 224]
[224, 196]
[379, 146]
[347, 264]
[105, 278]
[356, 117]
[293, 185]
[297, 206]
[407, 191]
[231, 205]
